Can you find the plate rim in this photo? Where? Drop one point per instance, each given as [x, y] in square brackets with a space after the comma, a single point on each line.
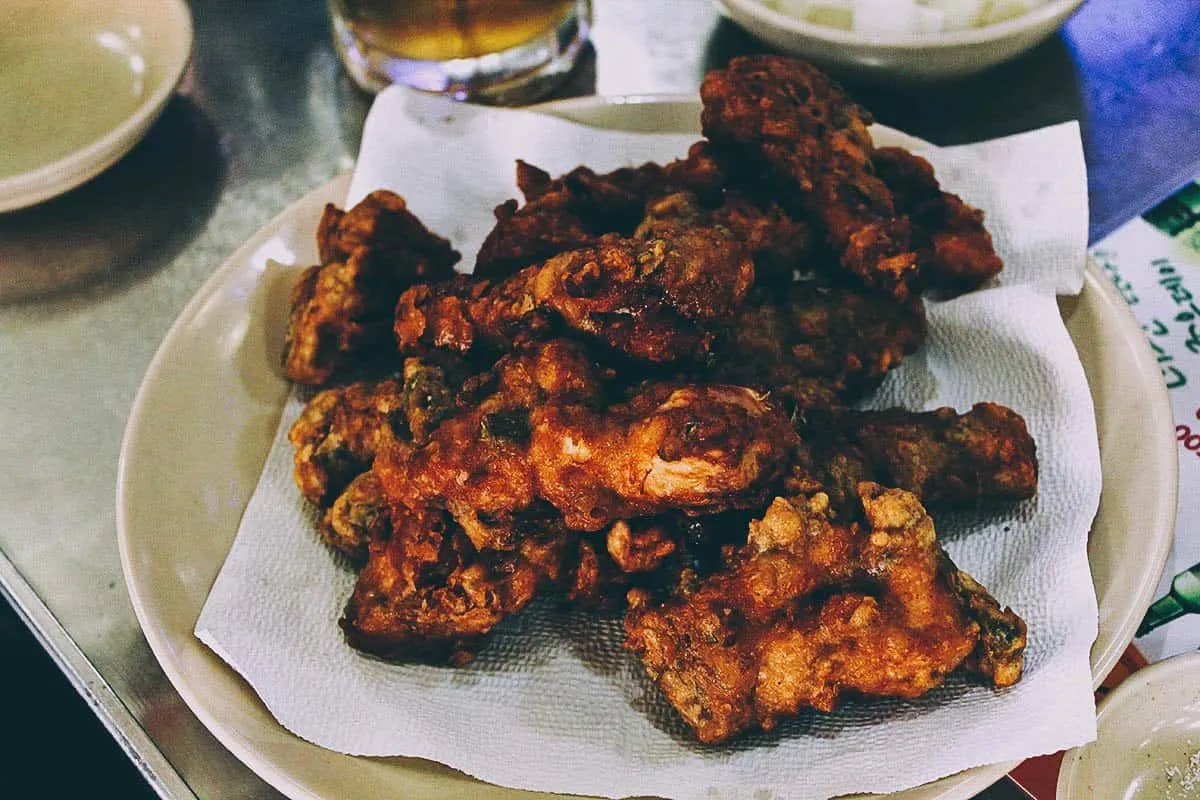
[57, 177]
[959, 785]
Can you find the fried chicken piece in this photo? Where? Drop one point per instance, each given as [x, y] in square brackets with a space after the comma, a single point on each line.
[538, 440]
[339, 432]
[561, 214]
[341, 311]
[778, 244]
[427, 396]
[427, 594]
[782, 118]
[358, 515]
[956, 250]
[382, 224]
[576, 209]
[809, 611]
[650, 300]
[697, 449]
[477, 463]
[653, 555]
[948, 460]
[817, 346]
[640, 545]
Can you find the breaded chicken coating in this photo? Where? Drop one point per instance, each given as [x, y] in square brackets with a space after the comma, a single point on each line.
[576, 209]
[955, 249]
[428, 594]
[785, 120]
[649, 299]
[697, 449]
[809, 611]
[341, 310]
[948, 460]
[339, 432]
[818, 346]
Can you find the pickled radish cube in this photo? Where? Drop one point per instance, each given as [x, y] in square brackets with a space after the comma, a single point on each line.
[958, 14]
[887, 17]
[833, 13]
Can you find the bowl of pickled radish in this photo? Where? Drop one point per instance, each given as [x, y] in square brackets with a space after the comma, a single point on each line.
[908, 39]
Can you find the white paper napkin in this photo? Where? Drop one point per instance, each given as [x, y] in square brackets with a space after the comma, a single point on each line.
[554, 703]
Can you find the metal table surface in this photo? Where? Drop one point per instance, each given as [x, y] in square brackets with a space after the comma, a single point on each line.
[91, 281]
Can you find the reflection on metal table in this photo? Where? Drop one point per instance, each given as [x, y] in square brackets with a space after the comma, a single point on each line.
[90, 281]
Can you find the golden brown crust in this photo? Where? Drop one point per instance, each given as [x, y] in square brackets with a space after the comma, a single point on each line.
[649, 299]
[810, 610]
[341, 311]
[948, 460]
[426, 593]
[784, 119]
[956, 250]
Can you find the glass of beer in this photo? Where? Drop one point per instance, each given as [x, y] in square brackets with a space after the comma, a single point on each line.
[498, 51]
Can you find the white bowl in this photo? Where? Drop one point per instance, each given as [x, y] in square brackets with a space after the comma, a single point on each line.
[938, 55]
[80, 83]
[1148, 738]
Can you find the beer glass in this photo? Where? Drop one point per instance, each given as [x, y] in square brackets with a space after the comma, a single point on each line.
[500, 51]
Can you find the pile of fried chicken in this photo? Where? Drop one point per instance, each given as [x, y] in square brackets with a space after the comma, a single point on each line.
[642, 398]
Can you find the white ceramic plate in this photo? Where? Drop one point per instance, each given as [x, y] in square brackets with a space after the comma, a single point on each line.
[1148, 741]
[207, 409]
[928, 56]
[81, 82]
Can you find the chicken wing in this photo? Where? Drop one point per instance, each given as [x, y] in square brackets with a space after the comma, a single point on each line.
[809, 610]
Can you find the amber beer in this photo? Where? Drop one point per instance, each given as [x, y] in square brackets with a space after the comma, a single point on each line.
[471, 43]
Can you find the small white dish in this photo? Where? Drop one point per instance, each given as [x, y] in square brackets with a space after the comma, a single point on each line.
[927, 56]
[80, 82]
[1148, 738]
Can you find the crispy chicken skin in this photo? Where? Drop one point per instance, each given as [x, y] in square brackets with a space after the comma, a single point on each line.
[382, 225]
[648, 299]
[339, 432]
[538, 446]
[809, 611]
[358, 515]
[426, 593]
[699, 449]
[956, 250]
[576, 209]
[778, 244]
[341, 310]
[641, 398]
[948, 460]
[477, 464]
[783, 119]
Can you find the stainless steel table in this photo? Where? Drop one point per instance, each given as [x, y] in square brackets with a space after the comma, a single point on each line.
[90, 282]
